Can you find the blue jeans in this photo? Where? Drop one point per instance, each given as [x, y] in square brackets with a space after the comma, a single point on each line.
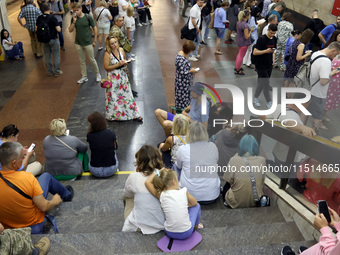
[207, 22]
[104, 171]
[16, 51]
[61, 37]
[197, 44]
[194, 215]
[52, 48]
[49, 185]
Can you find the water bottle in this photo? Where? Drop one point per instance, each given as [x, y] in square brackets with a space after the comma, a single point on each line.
[263, 201]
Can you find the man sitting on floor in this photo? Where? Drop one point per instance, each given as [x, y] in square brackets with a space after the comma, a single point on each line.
[193, 111]
[23, 197]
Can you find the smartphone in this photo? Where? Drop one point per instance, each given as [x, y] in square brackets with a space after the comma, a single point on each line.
[31, 147]
[273, 48]
[67, 131]
[323, 208]
[197, 69]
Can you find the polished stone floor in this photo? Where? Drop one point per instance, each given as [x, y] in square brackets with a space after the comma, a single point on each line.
[31, 99]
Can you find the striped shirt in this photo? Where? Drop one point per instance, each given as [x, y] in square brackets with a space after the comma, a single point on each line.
[30, 13]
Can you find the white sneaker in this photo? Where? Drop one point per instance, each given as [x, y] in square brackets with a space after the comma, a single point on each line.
[150, 21]
[193, 59]
[82, 80]
[256, 102]
[197, 56]
[98, 77]
[269, 105]
[145, 24]
[133, 55]
[139, 24]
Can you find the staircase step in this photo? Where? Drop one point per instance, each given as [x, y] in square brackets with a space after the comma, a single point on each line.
[244, 216]
[213, 238]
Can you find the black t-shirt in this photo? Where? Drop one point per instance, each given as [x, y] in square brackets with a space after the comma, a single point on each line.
[316, 25]
[265, 61]
[102, 148]
[52, 23]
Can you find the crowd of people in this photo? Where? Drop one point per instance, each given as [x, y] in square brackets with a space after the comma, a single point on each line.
[181, 174]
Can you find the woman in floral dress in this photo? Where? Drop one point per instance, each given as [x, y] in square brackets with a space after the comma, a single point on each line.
[184, 75]
[119, 101]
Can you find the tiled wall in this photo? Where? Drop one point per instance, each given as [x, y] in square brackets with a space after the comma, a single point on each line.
[306, 7]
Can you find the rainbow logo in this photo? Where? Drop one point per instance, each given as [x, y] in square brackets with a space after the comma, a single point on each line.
[209, 93]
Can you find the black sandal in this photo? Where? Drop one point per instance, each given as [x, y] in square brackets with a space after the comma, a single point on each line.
[139, 119]
[241, 69]
[239, 72]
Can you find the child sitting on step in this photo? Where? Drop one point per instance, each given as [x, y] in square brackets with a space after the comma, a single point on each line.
[180, 221]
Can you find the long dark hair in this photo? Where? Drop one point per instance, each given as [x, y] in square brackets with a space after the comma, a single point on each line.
[332, 38]
[3, 34]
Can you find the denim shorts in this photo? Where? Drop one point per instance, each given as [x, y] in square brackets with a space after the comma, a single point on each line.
[316, 107]
[220, 32]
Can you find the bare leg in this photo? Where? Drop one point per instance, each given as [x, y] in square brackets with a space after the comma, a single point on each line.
[161, 116]
[217, 50]
[228, 35]
[100, 37]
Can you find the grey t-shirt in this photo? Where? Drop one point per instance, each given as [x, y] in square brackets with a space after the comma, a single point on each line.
[60, 159]
[57, 6]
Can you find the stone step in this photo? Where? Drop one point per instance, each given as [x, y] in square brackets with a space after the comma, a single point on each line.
[98, 217]
[244, 250]
[213, 238]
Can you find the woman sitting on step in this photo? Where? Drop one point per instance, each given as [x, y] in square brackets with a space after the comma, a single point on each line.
[238, 191]
[142, 210]
[61, 152]
[10, 133]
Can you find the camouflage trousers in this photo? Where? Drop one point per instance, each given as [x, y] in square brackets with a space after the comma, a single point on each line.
[16, 242]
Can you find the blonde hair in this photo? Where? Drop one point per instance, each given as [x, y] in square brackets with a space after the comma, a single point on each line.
[197, 133]
[129, 11]
[148, 158]
[76, 5]
[243, 14]
[164, 180]
[58, 127]
[180, 125]
[107, 43]
[103, 3]
[115, 3]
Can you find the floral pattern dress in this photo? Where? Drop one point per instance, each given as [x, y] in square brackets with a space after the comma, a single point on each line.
[183, 81]
[333, 92]
[119, 101]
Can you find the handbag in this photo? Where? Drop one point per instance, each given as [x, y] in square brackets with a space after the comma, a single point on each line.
[106, 84]
[189, 34]
[264, 200]
[127, 46]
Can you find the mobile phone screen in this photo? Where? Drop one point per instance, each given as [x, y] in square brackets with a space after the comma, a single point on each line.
[323, 208]
[31, 147]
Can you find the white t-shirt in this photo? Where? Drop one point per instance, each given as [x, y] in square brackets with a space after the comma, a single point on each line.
[198, 162]
[195, 13]
[320, 69]
[265, 30]
[5, 45]
[147, 213]
[175, 207]
[280, 150]
[104, 16]
[129, 22]
[122, 3]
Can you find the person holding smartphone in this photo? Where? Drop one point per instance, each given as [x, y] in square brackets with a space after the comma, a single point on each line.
[327, 243]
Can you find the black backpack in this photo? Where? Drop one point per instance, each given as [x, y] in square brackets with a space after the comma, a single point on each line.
[43, 29]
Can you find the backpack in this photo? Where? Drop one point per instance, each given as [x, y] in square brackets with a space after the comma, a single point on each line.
[43, 29]
[59, 7]
[302, 78]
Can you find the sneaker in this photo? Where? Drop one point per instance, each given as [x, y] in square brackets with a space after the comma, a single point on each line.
[145, 24]
[139, 24]
[193, 59]
[50, 74]
[256, 102]
[98, 77]
[287, 251]
[150, 21]
[302, 249]
[58, 74]
[63, 48]
[43, 246]
[82, 80]
[197, 56]
[203, 43]
[100, 48]
[133, 55]
[209, 37]
[269, 105]
[70, 197]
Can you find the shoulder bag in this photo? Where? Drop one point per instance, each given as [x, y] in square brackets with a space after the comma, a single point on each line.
[186, 33]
